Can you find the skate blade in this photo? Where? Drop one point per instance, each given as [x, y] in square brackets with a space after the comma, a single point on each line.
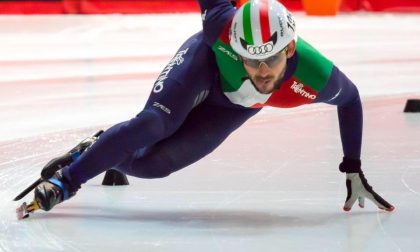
[23, 211]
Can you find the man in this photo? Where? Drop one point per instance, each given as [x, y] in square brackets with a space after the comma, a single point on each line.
[243, 60]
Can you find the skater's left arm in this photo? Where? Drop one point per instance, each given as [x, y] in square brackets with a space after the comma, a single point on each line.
[341, 91]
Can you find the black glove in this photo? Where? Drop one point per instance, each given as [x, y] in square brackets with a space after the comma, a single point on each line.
[358, 187]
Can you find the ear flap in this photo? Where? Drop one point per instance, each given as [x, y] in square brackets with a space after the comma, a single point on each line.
[273, 38]
[243, 43]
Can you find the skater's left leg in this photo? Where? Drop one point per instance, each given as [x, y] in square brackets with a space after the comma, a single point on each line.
[203, 130]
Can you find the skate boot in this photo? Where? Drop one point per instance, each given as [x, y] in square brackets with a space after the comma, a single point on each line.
[52, 187]
[53, 191]
[58, 163]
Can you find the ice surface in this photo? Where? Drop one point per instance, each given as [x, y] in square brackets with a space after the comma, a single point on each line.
[273, 185]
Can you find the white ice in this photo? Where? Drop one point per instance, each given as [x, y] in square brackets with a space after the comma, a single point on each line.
[274, 185]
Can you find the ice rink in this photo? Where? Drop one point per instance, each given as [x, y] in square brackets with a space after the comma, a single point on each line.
[274, 184]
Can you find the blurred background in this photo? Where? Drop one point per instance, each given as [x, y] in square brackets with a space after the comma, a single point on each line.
[312, 7]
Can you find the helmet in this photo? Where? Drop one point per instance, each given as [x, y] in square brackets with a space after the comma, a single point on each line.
[261, 28]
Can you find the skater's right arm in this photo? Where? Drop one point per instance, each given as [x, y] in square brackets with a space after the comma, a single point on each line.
[216, 14]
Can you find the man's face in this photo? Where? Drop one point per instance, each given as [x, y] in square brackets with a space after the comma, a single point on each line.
[266, 74]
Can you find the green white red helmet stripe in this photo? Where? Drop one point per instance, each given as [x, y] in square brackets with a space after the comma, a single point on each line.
[264, 21]
[258, 11]
[247, 24]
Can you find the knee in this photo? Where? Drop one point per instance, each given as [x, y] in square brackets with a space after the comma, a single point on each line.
[145, 129]
[154, 173]
[151, 166]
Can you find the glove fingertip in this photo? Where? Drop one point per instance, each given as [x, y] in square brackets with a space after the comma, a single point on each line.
[346, 209]
[361, 206]
[390, 209]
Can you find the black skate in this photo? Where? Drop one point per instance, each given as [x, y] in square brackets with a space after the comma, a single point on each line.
[53, 191]
[47, 193]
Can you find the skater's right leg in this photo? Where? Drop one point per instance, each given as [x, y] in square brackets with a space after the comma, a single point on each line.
[114, 145]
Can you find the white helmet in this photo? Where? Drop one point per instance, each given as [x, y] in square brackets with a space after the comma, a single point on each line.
[261, 28]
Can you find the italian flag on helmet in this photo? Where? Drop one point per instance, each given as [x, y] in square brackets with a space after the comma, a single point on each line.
[261, 28]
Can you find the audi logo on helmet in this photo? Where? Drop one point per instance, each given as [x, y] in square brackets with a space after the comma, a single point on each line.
[260, 49]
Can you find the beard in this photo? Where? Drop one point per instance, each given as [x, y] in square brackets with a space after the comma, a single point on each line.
[275, 82]
[267, 89]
